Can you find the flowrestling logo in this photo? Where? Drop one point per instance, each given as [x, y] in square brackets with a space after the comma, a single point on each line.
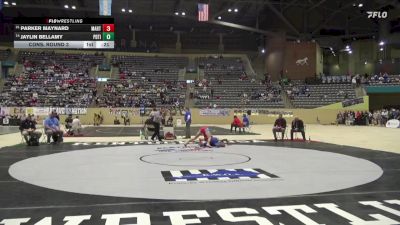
[377, 14]
[216, 174]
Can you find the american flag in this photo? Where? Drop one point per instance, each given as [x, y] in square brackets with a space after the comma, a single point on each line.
[203, 12]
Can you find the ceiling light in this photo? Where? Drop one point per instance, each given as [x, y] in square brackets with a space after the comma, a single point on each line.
[236, 10]
[66, 6]
[176, 13]
[365, 63]
[263, 51]
[183, 14]
[360, 5]
[229, 10]
[381, 43]
[130, 11]
[350, 52]
[5, 3]
[73, 7]
[381, 49]
[123, 10]
[347, 47]
[13, 3]
[219, 17]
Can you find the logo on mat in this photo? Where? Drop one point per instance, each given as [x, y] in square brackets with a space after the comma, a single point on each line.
[216, 174]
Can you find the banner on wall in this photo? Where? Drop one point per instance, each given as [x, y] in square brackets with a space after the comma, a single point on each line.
[44, 111]
[67, 111]
[214, 112]
[240, 112]
[256, 112]
[351, 102]
[41, 111]
[119, 112]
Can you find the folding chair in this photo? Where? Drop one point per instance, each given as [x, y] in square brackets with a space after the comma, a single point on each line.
[22, 138]
[44, 135]
[248, 128]
[279, 135]
[296, 137]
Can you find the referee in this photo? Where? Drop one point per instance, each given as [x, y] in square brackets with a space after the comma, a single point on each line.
[156, 117]
[188, 121]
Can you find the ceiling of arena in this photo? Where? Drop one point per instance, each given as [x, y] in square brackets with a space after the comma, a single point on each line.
[300, 19]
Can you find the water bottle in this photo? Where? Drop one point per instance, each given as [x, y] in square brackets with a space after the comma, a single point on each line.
[141, 134]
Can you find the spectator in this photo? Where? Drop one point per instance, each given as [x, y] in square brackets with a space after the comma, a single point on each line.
[297, 126]
[156, 117]
[28, 130]
[279, 126]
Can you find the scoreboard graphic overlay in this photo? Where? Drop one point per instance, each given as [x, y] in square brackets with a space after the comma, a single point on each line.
[66, 33]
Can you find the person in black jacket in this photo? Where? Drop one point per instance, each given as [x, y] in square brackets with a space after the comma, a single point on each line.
[279, 126]
[297, 126]
[28, 130]
[68, 124]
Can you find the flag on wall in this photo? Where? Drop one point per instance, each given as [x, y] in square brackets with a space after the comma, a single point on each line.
[203, 12]
[105, 7]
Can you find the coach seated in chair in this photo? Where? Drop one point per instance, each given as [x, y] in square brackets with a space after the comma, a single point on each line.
[52, 128]
[297, 126]
[237, 124]
[279, 126]
[28, 130]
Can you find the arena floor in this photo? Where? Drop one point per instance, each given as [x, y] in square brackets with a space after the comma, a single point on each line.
[344, 175]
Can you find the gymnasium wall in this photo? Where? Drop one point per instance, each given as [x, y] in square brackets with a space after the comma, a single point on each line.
[274, 60]
[319, 60]
[364, 59]
[296, 51]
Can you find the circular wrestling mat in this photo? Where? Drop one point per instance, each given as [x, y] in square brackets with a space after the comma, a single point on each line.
[179, 173]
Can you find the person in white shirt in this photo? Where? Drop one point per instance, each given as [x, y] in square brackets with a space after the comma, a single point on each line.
[76, 126]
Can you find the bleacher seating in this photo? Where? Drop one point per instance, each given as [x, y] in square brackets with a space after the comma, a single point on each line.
[60, 79]
[221, 67]
[384, 80]
[51, 79]
[133, 93]
[148, 81]
[311, 96]
[232, 88]
[336, 79]
[155, 68]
